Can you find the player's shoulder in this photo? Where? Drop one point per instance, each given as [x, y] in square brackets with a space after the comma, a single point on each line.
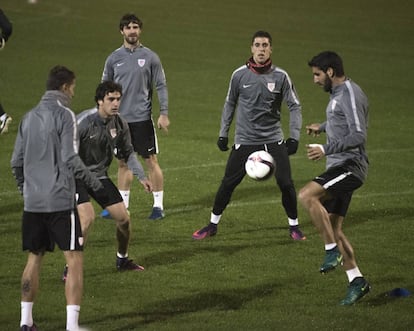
[280, 71]
[148, 53]
[240, 71]
[86, 115]
[120, 121]
[116, 54]
[146, 49]
[63, 110]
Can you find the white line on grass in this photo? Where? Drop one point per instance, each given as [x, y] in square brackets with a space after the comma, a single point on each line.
[223, 163]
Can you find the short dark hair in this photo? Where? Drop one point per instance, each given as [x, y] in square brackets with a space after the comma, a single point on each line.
[106, 87]
[328, 59]
[262, 34]
[59, 76]
[130, 18]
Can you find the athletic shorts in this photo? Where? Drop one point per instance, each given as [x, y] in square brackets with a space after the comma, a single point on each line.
[144, 138]
[109, 196]
[40, 231]
[340, 184]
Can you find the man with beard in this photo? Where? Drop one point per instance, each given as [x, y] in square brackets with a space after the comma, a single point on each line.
[257, 90]
[327, 196]
[138, 70]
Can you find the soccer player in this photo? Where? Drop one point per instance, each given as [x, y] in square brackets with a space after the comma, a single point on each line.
[102, 134]
[327, 196]
[45, 163]
[138, 69]
[256, 91]
[6, 30]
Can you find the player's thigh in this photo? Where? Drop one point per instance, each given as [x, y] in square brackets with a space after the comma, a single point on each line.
[82, 194]
[283, 171]
[65, 230]
[86, 213]
[109, 196]
[237, 158]
[340, 185]
[118, 211]
[144, 138]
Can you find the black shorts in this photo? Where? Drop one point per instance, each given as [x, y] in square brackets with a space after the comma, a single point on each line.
[111, 197]
[144, 138]
[340, 184]
[40, 231]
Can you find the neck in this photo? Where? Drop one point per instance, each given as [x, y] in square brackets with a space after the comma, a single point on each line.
[132, 46]
[102, 114]
[338, 81]
[259, 68]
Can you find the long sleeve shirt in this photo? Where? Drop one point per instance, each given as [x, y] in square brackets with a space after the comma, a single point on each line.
[45, 157]
[138, 71]
[257, 100]
[346, 128]
[101, 139]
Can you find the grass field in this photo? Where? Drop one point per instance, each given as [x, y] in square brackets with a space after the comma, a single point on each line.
[251, 276]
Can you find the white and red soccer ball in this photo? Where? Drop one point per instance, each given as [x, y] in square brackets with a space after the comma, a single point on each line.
[260, 165]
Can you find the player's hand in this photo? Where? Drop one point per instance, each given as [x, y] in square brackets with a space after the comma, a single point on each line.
[147, 185]
[292, 146]
[163, 123]
[19, 176]
[222, 143]
[315, 152]
[313, 129]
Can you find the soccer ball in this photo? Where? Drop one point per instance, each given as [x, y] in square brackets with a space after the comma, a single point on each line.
[260, 165]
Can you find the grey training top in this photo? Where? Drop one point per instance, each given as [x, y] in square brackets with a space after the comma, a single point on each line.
[258, 98]
[46, 148]
[346, 128]
[101, 138]
[138, 71]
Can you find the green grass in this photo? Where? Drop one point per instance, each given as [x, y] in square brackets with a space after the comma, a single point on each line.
[251, 276]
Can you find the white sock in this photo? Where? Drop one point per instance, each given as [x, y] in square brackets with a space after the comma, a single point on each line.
[293, 221]
[215, 218]
[125, 197]
[158, 199]
[26, 313]
[353, 273]
[72, 317]
[330, 246]
[121, 256]
[3, 117]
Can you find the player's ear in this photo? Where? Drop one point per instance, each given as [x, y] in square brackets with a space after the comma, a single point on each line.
[330, 72]
[64, 87]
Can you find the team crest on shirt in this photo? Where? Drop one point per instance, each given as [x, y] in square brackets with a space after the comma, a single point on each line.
[113, 133]
[141, 62]
[271, 86]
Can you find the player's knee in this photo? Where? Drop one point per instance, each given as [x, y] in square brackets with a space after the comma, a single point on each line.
[86, 221]
[304, 196]
[123, 222]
